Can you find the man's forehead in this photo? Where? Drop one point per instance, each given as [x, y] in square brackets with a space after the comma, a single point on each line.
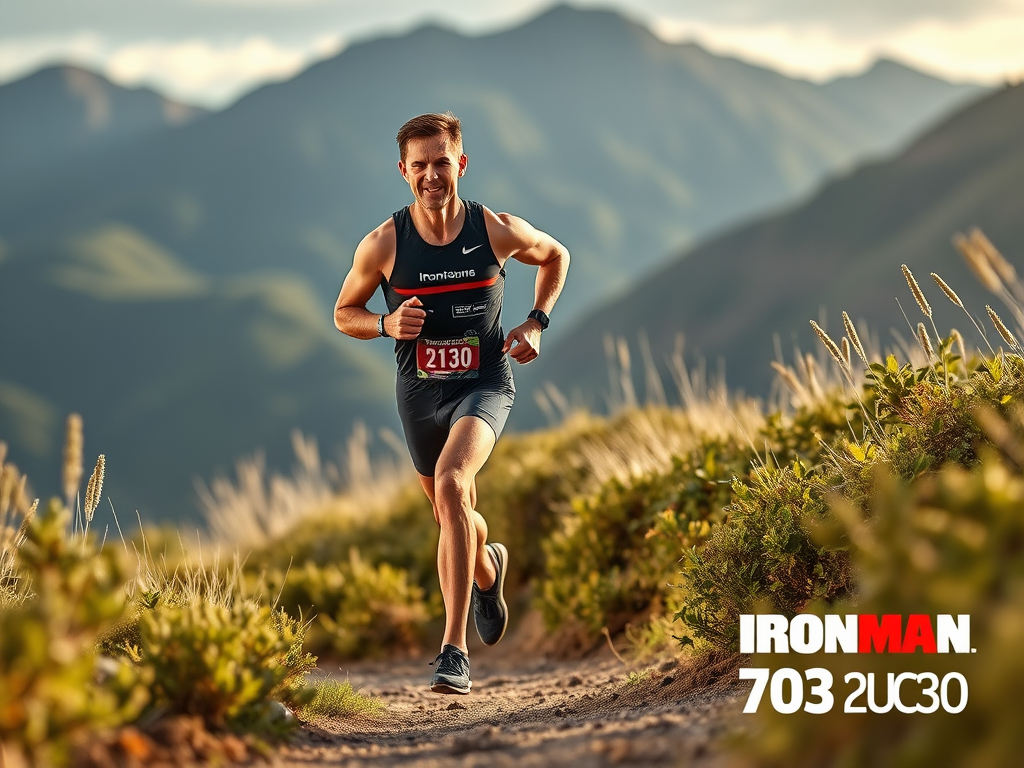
[431, 147]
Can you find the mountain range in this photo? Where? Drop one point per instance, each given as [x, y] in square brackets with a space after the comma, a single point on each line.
[740, 297]
[172, 281]
[60, 112]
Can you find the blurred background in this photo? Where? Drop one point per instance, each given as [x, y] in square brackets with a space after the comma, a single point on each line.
[182, 186]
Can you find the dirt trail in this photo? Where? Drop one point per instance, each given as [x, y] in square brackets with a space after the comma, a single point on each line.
[528, 711]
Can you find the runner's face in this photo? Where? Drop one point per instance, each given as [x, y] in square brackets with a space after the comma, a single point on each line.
[432, 169]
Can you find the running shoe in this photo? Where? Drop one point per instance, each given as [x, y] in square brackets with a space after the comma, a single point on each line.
[451, 671]
[490, 612]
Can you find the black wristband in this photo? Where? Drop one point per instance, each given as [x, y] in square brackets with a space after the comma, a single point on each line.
[381, 330]
[541, 317]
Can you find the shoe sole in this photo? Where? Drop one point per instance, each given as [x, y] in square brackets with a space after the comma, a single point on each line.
[446, 688]
[503, 558]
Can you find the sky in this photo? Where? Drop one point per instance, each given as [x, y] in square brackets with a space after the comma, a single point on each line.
[210, 52]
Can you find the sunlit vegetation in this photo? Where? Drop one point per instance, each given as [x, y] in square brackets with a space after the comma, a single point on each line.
[888, 481]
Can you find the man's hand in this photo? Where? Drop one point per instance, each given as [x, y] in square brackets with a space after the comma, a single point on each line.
[406, 322]
[523, 342]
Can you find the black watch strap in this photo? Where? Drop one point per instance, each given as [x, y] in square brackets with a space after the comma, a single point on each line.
[381, 331]
[541, 317]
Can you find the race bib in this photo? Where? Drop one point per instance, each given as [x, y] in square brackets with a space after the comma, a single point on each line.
[448, 358]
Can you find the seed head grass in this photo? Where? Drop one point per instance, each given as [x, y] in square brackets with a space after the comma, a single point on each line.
[1000, 326]
[72, 470]
[926, 344]
[922, 302]
[851, 332]
[831, 346]
[978, 263]
[94, 488]
[950, 293]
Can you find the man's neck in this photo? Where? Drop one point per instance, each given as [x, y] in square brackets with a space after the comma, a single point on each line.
[442, 225]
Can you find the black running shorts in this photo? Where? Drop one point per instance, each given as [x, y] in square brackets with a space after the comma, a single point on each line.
[429, 409]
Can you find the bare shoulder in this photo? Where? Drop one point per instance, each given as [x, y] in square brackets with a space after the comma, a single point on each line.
[509, 234]
[504, 224]
[514, 237]
[377, 249]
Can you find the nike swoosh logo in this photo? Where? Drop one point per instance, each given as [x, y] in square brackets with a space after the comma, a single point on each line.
[466, 250]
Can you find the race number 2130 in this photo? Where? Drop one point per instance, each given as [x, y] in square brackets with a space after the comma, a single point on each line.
[789, 690]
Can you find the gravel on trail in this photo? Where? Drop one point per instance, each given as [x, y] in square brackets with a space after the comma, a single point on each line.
[526, 711]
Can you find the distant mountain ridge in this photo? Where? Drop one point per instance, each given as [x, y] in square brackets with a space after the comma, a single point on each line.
[177, 374]
[62, 111]
[842, 250]
[625, 147]
[199, 261]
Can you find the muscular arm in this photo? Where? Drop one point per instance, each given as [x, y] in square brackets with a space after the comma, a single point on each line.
[514, 238]
[375, 253]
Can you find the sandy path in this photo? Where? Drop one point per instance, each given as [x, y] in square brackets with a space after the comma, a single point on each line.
[526, 711]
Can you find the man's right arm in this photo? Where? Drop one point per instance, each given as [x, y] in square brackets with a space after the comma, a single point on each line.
[351, 316]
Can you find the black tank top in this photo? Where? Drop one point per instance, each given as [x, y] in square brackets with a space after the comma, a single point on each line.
[461, 286]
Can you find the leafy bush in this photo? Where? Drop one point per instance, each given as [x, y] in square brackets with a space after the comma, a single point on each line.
[762, 556]
[223, 663]
[614, 558]
[356, 609]
[949, 543]
[49, 701]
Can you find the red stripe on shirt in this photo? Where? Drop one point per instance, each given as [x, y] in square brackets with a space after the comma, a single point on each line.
[445, 288]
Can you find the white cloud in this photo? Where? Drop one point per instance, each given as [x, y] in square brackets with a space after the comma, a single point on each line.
[813, 51]
[21, 56]
[986, 49]
[989, 49]
[213, 74]
[211, 51]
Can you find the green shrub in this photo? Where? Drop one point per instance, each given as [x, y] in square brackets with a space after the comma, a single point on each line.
[356, 609]
[48, 662]
[223, 663]
[949, 543]
[615, 557]
[762, 556]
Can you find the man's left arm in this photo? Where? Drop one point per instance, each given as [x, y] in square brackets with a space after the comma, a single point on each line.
[514, 238]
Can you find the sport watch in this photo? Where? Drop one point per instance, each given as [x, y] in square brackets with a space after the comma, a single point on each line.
[541, 317]
[380, 327]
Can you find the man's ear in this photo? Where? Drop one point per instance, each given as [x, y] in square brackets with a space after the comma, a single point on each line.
[401, 170]
[463, 162]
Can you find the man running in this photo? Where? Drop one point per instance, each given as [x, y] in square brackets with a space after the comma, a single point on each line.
[440, 263]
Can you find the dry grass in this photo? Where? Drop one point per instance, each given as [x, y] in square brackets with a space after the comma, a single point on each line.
[259, 507]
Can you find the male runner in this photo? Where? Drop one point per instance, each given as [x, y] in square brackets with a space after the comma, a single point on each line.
[440, 263]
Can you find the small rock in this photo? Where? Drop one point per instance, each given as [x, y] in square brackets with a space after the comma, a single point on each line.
[280, 712]
[574, 681]
[667, 680]
[455, 705]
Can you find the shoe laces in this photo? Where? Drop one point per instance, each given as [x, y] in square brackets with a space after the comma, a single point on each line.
[451, 661]
[487, 604]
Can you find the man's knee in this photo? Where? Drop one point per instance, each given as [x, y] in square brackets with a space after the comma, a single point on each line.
[453, 491]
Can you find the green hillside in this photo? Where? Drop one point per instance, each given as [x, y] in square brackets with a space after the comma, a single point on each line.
[840, 251]
[176, 374]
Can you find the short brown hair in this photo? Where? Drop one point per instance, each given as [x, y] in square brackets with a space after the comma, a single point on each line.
[432, 124]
